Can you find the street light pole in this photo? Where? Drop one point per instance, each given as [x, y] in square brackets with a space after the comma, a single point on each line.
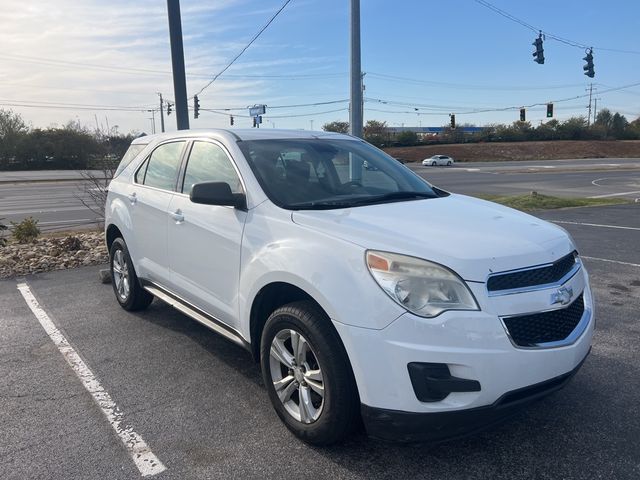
[177, 63]
[161, 113]
[355, 108]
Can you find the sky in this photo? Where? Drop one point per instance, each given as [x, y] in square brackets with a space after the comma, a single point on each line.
[103, 63]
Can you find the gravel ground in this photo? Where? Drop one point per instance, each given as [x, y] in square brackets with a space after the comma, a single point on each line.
[53, 253]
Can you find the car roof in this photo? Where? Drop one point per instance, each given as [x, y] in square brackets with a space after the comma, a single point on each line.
[240, 134]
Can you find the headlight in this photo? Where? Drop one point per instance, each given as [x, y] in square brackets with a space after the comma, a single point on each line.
[424, 288]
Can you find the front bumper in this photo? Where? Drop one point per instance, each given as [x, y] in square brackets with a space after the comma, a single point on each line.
[402, 426]
[471, 345]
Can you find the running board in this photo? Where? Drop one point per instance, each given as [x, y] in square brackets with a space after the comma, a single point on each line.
[195, 313]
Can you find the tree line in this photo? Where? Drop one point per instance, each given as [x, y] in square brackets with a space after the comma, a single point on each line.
[71, 146]
[607, 126]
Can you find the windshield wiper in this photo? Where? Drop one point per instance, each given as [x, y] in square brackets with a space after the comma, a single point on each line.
[392, 196]
[319, 205]
[367, 200]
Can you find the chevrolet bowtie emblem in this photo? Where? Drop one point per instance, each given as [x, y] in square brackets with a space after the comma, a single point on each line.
[563, 296]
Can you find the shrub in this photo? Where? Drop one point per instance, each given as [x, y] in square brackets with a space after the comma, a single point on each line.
[26, 231]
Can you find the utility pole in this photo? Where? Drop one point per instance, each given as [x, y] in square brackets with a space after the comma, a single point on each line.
[590, 94]
[595, 109]
[161, 113]
[355, 106]
[177, 63]
[153, 120]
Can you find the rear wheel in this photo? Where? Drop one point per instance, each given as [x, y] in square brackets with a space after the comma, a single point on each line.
[449, 163]
[130, 295]
[307, 374]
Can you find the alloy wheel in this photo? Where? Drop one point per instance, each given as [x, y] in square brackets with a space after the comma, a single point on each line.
[297, 376]
[121, 275]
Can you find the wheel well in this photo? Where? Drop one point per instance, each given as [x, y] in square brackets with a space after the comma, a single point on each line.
[269, 298]
[112, 233]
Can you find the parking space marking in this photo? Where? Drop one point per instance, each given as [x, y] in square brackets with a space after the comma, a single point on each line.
[595, 225]
[142, 456]
[611, 261]
[615, 194]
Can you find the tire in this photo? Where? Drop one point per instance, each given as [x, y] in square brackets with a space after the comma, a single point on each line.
[449, 163]
[325, 367]
[130, 295]
[433, 164]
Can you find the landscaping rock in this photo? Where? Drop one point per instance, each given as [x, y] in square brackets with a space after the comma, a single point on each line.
[50, 253]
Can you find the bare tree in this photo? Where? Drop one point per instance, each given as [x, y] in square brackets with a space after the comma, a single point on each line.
[94, 189]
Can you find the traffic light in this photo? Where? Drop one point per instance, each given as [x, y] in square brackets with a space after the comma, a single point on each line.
[231, 120]
[169, 108]
[588, 68]
[523, 115]
[549, 110]
[196, 106]
[453, 120]
[538, 55]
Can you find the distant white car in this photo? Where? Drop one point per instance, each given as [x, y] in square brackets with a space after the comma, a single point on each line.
[438, 160]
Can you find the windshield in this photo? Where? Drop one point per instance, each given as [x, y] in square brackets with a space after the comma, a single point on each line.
[330, 173]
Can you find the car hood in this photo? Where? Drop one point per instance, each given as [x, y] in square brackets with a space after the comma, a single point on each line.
[473, 237]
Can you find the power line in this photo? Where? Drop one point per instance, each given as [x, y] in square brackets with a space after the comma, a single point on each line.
[255, 37]
[316, 104]
[417, 110]
[558, 38]
[461, 86]
[311, 114]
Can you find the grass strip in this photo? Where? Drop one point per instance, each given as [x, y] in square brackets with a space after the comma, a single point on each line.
[536, 201]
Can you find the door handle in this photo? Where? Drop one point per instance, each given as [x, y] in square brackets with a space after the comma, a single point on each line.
[132, 198]
[177, 216]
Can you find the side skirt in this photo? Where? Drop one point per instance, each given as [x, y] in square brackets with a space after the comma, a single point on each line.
[195, 313]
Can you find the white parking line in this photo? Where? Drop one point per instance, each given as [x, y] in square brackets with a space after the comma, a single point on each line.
[140, 453]
[595, 225]
[615, 194]
[611, 261]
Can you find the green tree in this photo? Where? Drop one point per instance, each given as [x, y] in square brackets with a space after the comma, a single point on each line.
[337, 126]
[407, 138]
[574, 128]
[376, 133]
[619, 125]
[12, 131]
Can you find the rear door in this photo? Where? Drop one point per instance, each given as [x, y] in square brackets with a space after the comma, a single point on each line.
[154, 186]
[205, 240]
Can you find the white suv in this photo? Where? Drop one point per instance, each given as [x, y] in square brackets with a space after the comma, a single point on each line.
[364, 293]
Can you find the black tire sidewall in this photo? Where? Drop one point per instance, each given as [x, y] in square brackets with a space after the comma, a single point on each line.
[335, 419]
[134, 287]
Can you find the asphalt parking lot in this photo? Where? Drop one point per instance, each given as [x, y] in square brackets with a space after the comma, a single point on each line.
[197, 400]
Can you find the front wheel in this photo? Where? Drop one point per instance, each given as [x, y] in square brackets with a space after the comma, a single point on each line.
[307, 374]
[130, 295]
[433, 164]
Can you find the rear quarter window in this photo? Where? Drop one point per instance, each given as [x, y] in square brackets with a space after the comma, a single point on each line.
[131, 153]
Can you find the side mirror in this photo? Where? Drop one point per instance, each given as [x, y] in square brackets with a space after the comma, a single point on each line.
[217, 193]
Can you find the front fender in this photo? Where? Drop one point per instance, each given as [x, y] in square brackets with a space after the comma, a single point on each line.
[330, 270]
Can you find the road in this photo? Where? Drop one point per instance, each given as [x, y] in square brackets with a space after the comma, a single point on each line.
[562, 178]
[56, 203]
[198, 402]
